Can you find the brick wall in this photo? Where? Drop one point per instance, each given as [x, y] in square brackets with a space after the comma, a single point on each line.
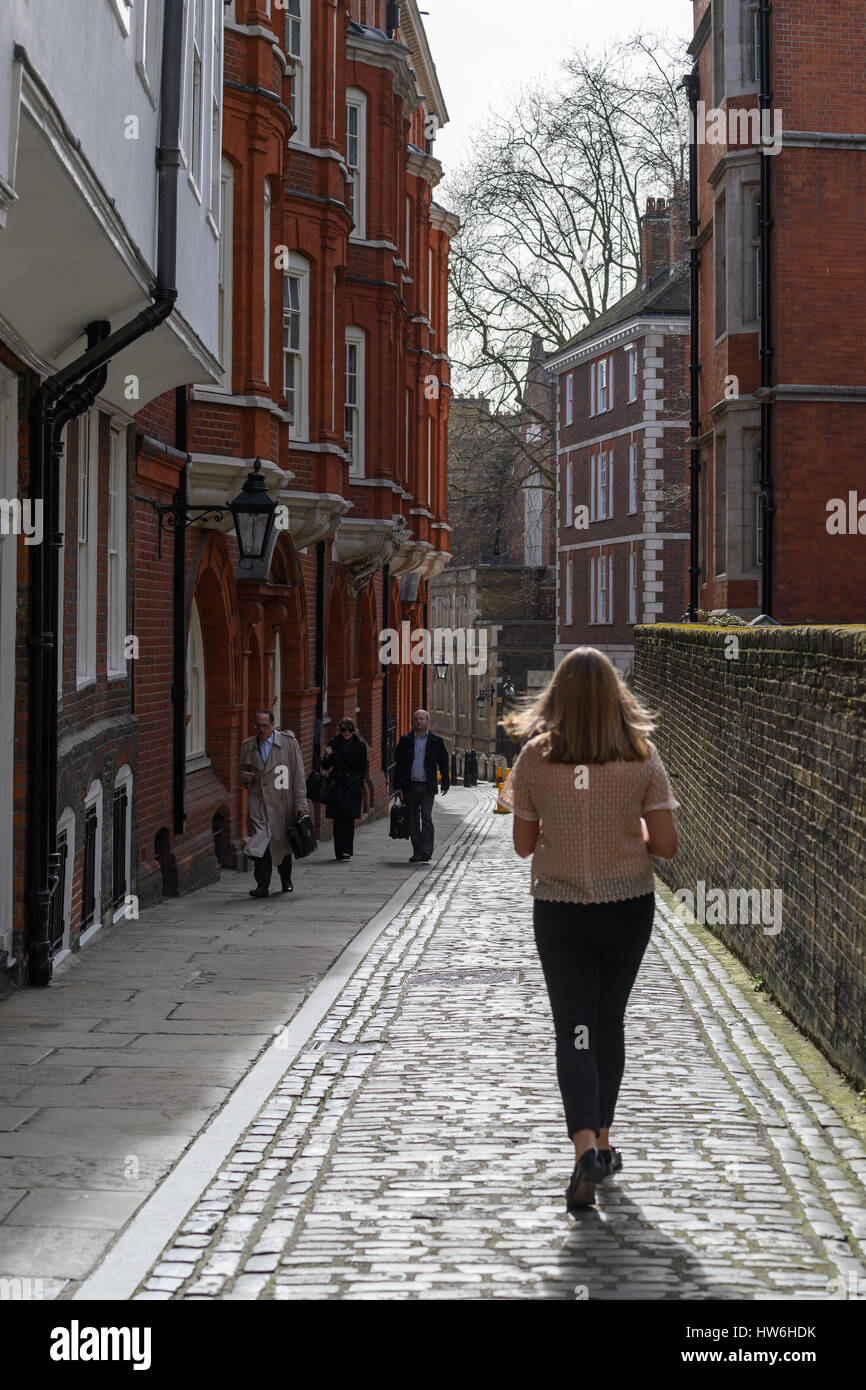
[766, 751]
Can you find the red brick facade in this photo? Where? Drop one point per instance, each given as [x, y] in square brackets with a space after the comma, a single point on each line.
[814, 269]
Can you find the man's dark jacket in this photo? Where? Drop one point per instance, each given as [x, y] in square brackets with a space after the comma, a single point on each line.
[435, 756]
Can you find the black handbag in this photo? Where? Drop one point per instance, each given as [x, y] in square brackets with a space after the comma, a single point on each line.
[301, 837]
[399, 820]
[317, 786]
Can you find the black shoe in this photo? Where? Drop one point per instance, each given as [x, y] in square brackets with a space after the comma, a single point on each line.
[416, 859]
[611, 1161]
[588, 1171]
[259, 893]
[287, 887]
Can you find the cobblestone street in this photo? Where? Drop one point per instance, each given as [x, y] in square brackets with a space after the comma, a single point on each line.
[415, 1147]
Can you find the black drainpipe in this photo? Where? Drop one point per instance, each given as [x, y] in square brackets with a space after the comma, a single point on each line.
[693, 86]
[320, 653]
[57, 401]
[386, 623]
[178, 591]
[768, 505]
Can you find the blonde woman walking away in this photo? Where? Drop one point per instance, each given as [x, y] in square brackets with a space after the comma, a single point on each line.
[591, 802]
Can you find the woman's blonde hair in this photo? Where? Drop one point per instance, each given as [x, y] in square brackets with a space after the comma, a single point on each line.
[587, 714]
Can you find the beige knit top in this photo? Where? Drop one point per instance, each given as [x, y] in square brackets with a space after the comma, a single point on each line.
[590, 848]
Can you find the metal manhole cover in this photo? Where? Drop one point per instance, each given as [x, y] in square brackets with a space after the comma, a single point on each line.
[461, 977]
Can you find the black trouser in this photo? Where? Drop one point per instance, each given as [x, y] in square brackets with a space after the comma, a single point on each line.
[590, 954]
[419, 800]
[344, 832]
[263, 868]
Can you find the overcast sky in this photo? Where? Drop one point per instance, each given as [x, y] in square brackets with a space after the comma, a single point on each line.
[483, 48]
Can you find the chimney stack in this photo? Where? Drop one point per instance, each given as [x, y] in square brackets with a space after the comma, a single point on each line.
[663, 231]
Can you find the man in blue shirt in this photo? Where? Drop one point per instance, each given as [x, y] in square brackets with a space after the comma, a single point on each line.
[417, 758]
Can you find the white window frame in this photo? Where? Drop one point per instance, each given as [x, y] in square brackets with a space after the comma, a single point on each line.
[95, 798]
[300, 61]
[195, 70]
[124, 778]
[225, 279]
[299, 269]
[719, 57]
[533, 510]
[407, 256]
[569, 493]
[602, 496]
[632, 478]
[277, 681]
[632, 374]
[356, 338]
[116, 554]
[429, 459]
[196, 688]
[593, 580]
[123, 13]
[88, 527]
[632, 586]
[592, 383]
[601, 393]
[430, 285]
[214, 196]
[266, 306]
[357, 100]
[569, 590]
[569, 399]
[720, 268]
[66, 824]
[148, 38]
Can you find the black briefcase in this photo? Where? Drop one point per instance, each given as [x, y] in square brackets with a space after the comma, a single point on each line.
[399, 820]
[302, 837]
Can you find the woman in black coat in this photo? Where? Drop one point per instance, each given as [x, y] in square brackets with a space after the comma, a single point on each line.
[346, 764]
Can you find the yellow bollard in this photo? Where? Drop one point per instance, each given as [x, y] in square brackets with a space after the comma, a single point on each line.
[500, 783]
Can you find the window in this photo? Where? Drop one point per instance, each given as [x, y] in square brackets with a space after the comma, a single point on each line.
[632, 586]
[601, 502]
[429, 459]
[148, 43]
[277, 696]
[197, 92]
[356, 158]
[266, 307]
[752, 450]
[88, 469]
[569, 590]
[407, 253]
[296, 344]
[752, 210]
[533, 504]
[355, 393]
[632, 374]
[602, 385]
[121, 840]
[117, 552]
[430, 284]
[569, 398]
[720, 251]
[719, 52]
[91, 880]
[703, 536]
[632, 479]
[569, 494]
[751, 42]
[720, 506]
[195, 687]
[602, 567]
[216, 120]
[123, 10]
[61, 901]
[298, 50]
[224, 287]
[407, 429]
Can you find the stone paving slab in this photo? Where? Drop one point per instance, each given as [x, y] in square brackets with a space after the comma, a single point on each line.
[415, 1148]
[112, 1071]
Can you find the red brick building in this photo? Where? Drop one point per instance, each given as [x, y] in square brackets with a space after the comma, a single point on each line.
[622, 402]
[311, 313]
[334, 340]
[778, 313]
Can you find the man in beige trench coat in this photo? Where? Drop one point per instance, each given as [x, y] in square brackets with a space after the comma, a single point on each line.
[272, 770]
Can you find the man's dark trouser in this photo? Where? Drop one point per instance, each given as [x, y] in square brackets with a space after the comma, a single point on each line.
[263, 868]
[590, 954]
[420, 803]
